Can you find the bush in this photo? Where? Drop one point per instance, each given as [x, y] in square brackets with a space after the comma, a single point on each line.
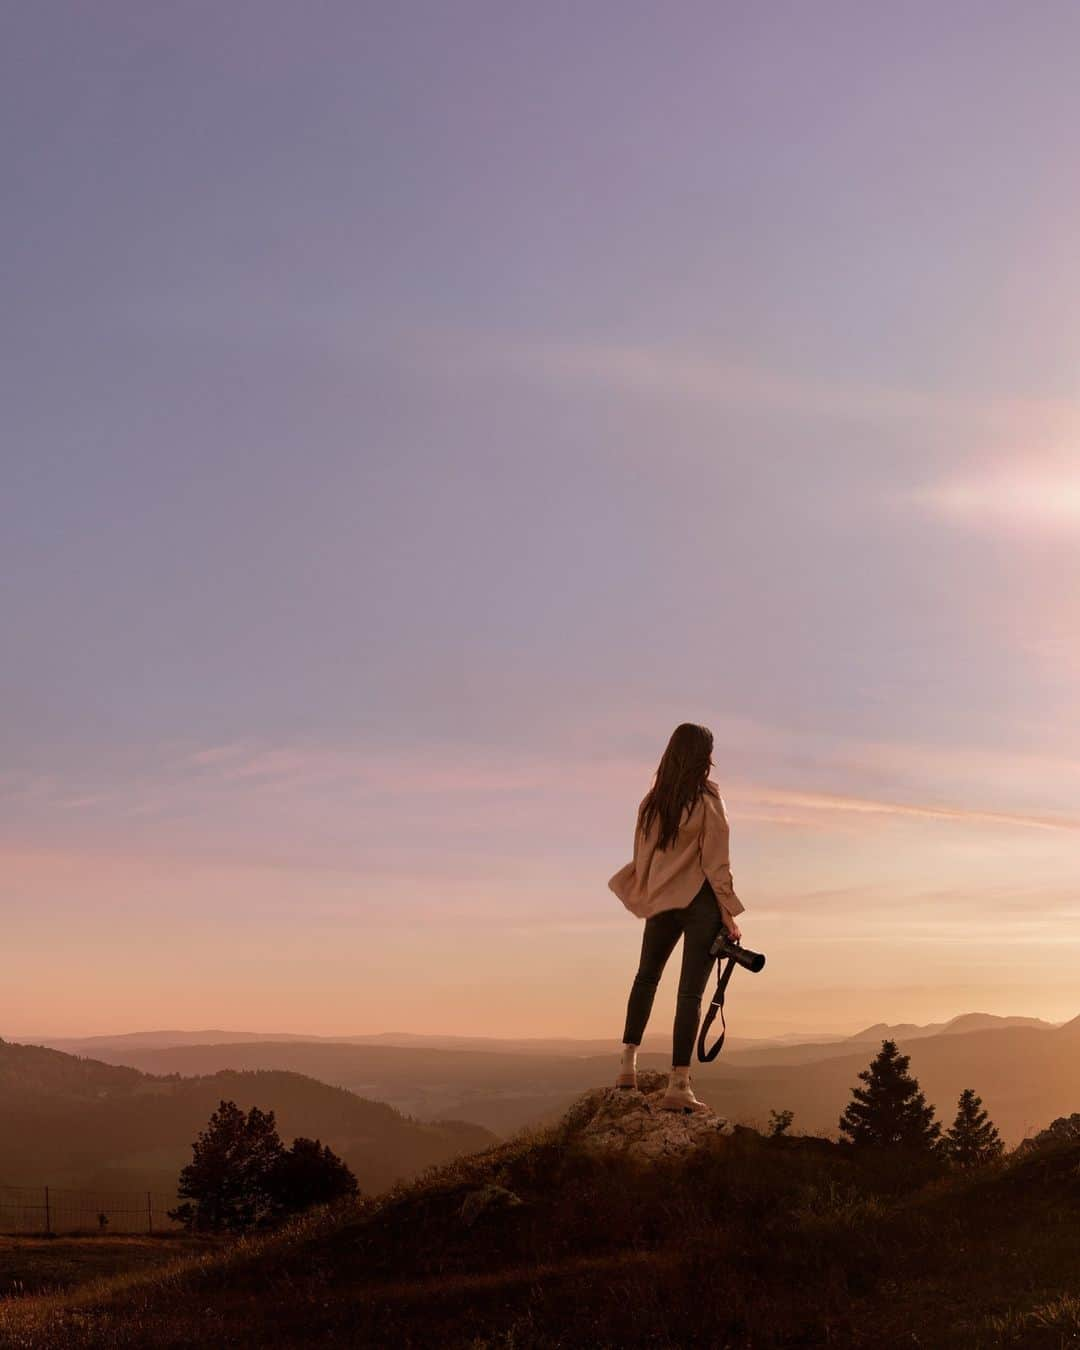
[780, 1123]
[1063, 1130]
[309, 1174]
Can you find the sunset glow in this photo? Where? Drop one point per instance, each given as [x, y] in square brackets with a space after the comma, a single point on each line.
[407, 431]
[1033, 498]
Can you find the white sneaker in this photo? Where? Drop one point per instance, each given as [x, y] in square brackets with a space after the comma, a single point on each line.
[680, 1096]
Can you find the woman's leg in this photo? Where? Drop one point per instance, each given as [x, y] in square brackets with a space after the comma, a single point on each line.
[657, 943]
[701, 923]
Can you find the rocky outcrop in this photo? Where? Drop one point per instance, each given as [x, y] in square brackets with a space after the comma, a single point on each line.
[485, 1200]
[632, 1123]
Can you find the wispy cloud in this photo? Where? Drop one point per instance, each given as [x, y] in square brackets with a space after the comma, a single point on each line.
[471, 772]
[867, 806]
[722, 379]
[472, 812]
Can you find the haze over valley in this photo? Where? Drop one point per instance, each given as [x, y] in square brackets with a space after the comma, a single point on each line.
[1027, 1070]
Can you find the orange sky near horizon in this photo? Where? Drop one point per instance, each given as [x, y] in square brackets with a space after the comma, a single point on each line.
[869, 909]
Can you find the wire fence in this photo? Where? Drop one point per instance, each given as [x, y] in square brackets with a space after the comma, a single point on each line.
[47, 1210]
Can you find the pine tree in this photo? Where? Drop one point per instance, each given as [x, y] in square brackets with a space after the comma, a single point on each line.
[890, 1111]
[227, 1183]
[973, 1137]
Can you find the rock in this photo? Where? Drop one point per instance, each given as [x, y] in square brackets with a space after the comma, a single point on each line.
[633, 1124]
[484, 1200]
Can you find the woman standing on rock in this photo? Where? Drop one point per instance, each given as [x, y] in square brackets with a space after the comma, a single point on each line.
[679, 882]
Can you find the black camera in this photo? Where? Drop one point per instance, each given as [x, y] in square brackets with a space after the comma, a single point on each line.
[729, 954]
[725, 947]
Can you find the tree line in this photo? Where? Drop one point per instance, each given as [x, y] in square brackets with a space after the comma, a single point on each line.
[890, 1111]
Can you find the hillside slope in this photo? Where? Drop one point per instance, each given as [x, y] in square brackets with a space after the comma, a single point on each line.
[78, 1123]
[541, 1242]
[498, 1089]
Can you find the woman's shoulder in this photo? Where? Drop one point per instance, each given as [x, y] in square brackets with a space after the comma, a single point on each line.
[707, 800]
[712, 799]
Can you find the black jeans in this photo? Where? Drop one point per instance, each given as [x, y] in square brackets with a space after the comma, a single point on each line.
[697, 925]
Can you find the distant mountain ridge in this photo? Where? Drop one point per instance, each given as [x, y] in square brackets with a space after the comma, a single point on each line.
[955, 1026]
[1021, 1066]
[159, 1040]
[540, 1045]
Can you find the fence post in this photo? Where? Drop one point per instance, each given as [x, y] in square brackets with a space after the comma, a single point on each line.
[48, 1219]
[149, 1214]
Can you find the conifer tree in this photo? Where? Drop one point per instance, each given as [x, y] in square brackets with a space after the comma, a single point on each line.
[972, 1137]
[225, 1186]
[890, 1111]
[242, 1176]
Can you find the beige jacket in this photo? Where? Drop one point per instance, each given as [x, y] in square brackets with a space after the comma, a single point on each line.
[656, 880]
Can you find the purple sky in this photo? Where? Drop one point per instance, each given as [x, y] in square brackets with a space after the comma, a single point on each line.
[413, 411]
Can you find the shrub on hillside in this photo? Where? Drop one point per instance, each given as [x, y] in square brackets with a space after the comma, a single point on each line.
[309, 1174]
[1063, 1130]
[780, 1123]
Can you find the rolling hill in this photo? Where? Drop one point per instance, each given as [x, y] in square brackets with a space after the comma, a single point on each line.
[84, 1124]
[540, 1242]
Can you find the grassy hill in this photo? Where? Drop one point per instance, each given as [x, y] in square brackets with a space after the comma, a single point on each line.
[79, 1123]
[747, 1242]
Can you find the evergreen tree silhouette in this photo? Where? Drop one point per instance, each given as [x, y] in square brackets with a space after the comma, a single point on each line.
[310, 1173]
[972, 1137]
[890, 1111]
[227, 1183]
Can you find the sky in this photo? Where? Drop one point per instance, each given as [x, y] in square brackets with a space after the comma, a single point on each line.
[413, 412]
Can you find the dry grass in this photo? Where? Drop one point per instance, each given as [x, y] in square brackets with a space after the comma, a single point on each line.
[748, 1243]
[36, 1265]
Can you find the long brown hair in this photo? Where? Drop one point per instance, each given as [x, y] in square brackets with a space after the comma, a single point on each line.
[679, 781]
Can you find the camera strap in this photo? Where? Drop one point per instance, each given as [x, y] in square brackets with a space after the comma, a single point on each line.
[716, 1006]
